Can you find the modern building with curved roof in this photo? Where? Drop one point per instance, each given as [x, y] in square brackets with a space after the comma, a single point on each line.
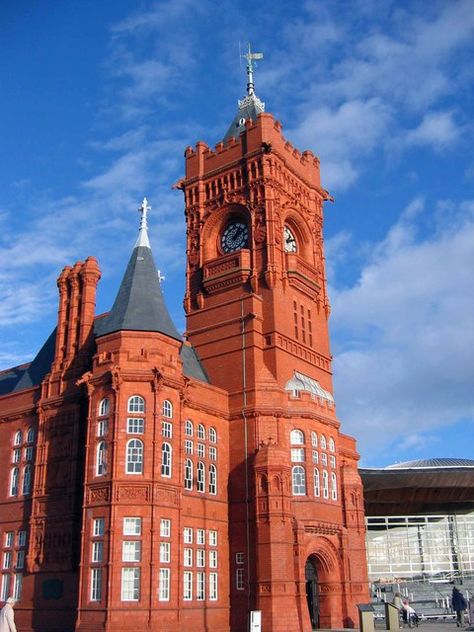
[420, 519]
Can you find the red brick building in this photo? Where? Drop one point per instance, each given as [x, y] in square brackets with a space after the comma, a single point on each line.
[156, 483]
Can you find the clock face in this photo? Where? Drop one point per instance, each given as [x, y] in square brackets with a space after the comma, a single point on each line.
[235, 236]
[289, 239]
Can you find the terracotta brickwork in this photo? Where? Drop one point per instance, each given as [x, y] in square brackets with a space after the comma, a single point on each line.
[139, 495]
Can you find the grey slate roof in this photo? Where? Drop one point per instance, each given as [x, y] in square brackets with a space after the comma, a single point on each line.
[192, 366]
[32, 373]
[249, 108]
[430, 463]
[139, 305]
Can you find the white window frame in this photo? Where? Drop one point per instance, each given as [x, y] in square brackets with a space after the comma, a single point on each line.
[316, 483]
[104, 407]
[167, 429]
[212, 537]
[201, 477]
[200, 586]
[187, 556]
[200, 536]
[188, 474]
[298, 480]
[29, 453]
[213, 585]
[102, 427]
[135, 425]
[130, 587]
[98, 527]
[167, 409]
[333, 486]
[201, 558]
[166, 459]
[187, 586]
[131, 551]
[9, 539]
[332, 445]
[27, 480]
[164, 585]
[322, 442]
[201, 432]
[212, 435]
[101, 459]
[332, 460]
[136, 404]
[18, 438]
[314, 439]
[97, 552]
[239, 557]
[212, 479]
[212, 451]
[7, 560]
[297, 455]
[30, 435]
[324, 458]
[5, 592]
[188, 428]
[165, 552]
[14, 481]
[16, 455]
[212, 558]
[134, 457]
[240, 579]
[21, 537]
[96, 584]
[165, 528]
[188, 535]
[296, 437]
[188, 446]
[325, 484]
[17, 586]
[132, 525]
[20, 559]
[201, 450]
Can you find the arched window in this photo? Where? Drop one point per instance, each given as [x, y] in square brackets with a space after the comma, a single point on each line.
[333, 486]
[298, 481]
[212, 479]
[188, 474]
[166, 454]
[332, 447]
[201, 477]
[212, 435]
[104, 407]
[201, 432]
[167, 409]
[30, 435]
[14, 478]
[296, 437]
[18, 439]
[101, 459]
[134, 464]
[136, 404]
[322, 441]
[26, 480]
[325, 484]
[314, 439]
[317, 487]
[188, 428]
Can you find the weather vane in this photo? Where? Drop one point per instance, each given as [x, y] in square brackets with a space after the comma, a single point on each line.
[251, 59]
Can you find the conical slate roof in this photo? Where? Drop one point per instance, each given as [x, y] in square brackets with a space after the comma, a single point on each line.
[249, 108]
[139, 305]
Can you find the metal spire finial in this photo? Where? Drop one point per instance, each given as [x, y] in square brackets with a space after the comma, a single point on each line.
[251, 59]
[143, 231]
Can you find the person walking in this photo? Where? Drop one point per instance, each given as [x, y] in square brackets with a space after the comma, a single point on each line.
[7, 618]
[459, 606]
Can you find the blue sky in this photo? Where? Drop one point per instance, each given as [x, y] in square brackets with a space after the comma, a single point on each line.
[99, 100]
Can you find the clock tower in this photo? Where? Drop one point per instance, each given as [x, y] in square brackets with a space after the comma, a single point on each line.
[257, 314]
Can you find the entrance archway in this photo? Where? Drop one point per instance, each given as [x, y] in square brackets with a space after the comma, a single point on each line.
[312, 592]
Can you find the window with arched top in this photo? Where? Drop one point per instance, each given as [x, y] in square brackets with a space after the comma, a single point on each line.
[322, 441]
[296, 437]
[333, 486]
[104, 407]
[18, 438]
[101, 459]
[14, 480]
[332, 446]
[201, 477]
[188, 474]
[26, 488]
[136, 404]
[188, 428]
[134, 459]
[212, 479]
[314, 439]
[166, 460]
[30, 435]
[298, 478]
[167, 409]
[325, 484]
[201, 432]
[212, 435]
[317, 486]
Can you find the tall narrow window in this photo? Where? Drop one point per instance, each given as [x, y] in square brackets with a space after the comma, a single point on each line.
[20, 559]
[166, 460]
[164, 585]
[30, 435]
[101, 459]
[132, 525]
[200, 585]
[104, 407]
[131, 551]
[17, 586]
[314, 439]
[26, 480]
[18, 439]
[98, 527]
[96, 584]
[5, 593]
[213, 586]
[299, 481]
[333, 486]
[136, 404]
[322, 441]
[14, 479]
[167, 409]
[332, 446]
[188, 428]
[212, 435]
[325, 484]
[97, 552]
[187, 586]
[317, 487]
[188, 474]
[201, 432]
[165, 552]
[212, 479]
[21, 538]
[130, 584]
[134, 463]
[201, 477]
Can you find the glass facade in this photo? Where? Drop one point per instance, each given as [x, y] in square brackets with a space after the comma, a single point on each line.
[416, 547]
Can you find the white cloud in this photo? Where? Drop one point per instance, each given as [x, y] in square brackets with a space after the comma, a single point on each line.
[408, 331]
[437, 129]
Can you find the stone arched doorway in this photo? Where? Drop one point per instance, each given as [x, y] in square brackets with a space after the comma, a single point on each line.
[312, 591]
